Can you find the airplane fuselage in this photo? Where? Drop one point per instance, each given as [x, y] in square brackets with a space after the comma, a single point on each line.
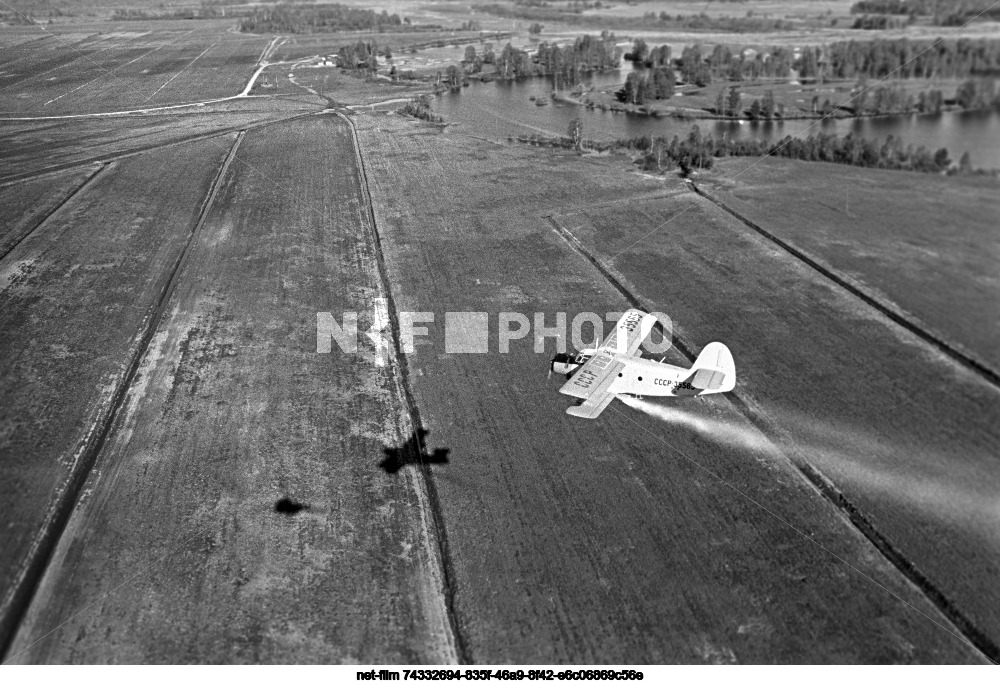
[653, 379]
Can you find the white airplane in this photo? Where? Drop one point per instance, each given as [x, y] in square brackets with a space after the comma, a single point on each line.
[615, 367]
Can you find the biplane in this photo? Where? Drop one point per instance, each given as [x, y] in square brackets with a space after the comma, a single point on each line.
[596, 376]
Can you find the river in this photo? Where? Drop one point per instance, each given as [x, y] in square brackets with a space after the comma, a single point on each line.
[503, 108]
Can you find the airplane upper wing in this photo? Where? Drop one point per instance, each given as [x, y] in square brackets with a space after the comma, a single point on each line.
[632, 330]
[592, 380]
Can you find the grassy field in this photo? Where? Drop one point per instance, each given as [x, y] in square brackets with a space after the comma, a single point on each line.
[926, 244]
[77, 295]
[125, 65]
[188, 480]
[344, 88]
[32, 147]
[906, 433]
[26, 205]
[610, 541]
[234, 410]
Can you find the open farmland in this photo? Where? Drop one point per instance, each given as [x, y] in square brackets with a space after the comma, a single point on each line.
[907, 434]
[667, 542]
[235, 410]
[37, 147]
[925, 245]
[130, 68]
[26, 205]
[190, 477]
[79, 296]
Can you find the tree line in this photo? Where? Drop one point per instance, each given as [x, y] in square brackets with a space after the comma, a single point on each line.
[903, 58]
[698, 151]
[699, 68]
[205, 12]
[942, 13]
[545, 12]
[567, 64]
[303, 18]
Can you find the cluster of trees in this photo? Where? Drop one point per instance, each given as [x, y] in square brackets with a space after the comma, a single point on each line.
[942, 13]
[649, 57]
[702, 21]
[699, 151]
[474, 61]
[308, 18]
[879, 22]
[588, 53]
[362, 55]
[581, 5]
[841, 60]
[693, 67]
[893, 99]
[566, 64]
[913, 59]
[644, 87]
[722, 64]
[911, 7]
[977, 93]
[205, 12]
[453, 79]
[729, 103]
[420, 108]
[573, 14]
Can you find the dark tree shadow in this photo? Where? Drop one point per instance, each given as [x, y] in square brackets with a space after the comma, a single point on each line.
[412, 452]
[289, 507]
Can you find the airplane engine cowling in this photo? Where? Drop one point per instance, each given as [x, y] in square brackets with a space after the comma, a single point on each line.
[564, 364]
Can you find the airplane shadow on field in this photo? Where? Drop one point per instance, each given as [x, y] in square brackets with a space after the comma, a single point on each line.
[412, 452]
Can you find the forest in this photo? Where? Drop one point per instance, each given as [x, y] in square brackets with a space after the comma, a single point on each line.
[567, 64]
[951, 13]
[902, 58]
[303, 18]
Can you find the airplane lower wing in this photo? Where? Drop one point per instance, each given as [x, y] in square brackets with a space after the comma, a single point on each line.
[594, 377]
[592, 407]
[591, 383]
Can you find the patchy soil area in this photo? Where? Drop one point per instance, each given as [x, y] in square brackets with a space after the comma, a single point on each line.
[243, 482]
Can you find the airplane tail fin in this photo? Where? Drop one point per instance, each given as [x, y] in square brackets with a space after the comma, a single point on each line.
[714, 370]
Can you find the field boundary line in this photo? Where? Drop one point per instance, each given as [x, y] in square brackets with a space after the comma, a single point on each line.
[26, 581]
[448, 588]
[76, 191]
[890, 311]
[964, 628]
